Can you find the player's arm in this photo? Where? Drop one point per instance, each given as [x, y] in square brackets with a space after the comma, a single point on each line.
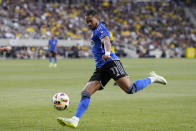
[56, 47]
[107, 46]
[48, 44]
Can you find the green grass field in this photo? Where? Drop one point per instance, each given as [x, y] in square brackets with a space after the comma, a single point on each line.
[27, 87]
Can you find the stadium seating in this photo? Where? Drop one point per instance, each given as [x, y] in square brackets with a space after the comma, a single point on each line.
[151, 29]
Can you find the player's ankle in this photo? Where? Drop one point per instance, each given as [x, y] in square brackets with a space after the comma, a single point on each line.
[152, 79]
[76, 118]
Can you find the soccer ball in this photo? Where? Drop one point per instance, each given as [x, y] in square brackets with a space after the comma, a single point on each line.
[60, 101]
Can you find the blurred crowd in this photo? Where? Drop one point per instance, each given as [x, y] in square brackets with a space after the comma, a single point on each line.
[28, 52]
[142, 29]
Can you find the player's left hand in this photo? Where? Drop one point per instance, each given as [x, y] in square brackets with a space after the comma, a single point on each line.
[105, 57]
[55, 51]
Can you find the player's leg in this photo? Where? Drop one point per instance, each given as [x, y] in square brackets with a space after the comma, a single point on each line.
[55, 59]
[97, 81]
[50, 59]
[90, 88]
[119, 75]
[129, 88]
[140, 84]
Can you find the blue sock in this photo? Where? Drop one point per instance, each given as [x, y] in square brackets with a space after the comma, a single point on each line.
[55, 60]
[82, 106]
[50, 59]
[139, 85]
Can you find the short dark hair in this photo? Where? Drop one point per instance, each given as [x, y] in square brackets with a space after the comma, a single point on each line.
[91, 12]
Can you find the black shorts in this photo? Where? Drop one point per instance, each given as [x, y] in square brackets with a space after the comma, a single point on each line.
[53, 53]
[112, 69]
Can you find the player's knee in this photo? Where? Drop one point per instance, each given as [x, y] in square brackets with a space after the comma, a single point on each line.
[132, 89]
[85, 94]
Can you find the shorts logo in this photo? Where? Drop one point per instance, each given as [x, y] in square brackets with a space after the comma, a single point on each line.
[92, 43]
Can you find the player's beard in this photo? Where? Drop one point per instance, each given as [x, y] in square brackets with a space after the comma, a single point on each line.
[92, 27]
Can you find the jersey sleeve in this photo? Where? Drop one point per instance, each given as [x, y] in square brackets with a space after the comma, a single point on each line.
[102, 32]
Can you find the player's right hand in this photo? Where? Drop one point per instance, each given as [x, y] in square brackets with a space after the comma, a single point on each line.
[105, 57]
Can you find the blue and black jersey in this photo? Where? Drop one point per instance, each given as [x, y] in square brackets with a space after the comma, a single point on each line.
[52, 44]
[97, 47]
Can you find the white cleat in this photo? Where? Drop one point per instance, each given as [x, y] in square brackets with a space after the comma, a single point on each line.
[55, 65]
[70, 122]
[156, 78]
[50, 65]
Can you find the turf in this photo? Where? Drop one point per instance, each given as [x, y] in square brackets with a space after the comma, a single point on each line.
[27, 87]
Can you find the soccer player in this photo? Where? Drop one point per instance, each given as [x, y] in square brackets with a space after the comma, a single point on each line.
[108, 66]
[52, 46]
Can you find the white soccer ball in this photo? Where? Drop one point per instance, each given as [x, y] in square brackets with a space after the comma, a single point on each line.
[60, 101]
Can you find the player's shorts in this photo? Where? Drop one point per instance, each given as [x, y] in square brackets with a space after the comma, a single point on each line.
[53, 53]
[112, 69]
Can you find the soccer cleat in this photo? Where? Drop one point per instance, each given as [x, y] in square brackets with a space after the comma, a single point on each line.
[55, 65]
[70, 122]
[156, 78]
[50, 65]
